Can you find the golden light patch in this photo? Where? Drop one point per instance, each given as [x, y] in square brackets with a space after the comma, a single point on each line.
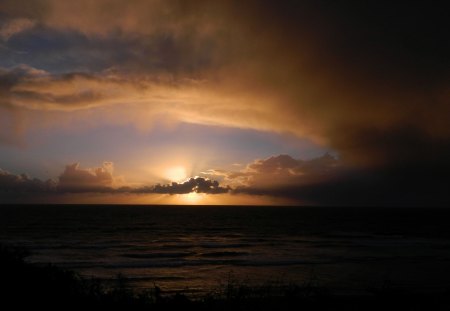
[176, 173]
[193, 198]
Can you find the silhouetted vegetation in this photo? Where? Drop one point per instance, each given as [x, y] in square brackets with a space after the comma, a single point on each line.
[26, 286]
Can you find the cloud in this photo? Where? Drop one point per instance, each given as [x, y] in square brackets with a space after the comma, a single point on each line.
[100, 180]
[369, 80]
[197, 184]
[319, 69]
[327, 180]
[280, 171]
[11, 27]
[285, 166]
[101, 17]
[75, 179]
[10, 183]
[118, 98]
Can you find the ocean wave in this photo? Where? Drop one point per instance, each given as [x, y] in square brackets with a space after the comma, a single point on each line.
[213, 262]
[224, 254]
[175, 246]
[157, 255]
[154, 278]
[223, 245]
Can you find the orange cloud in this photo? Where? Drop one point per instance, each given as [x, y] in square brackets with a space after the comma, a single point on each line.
[75, 179]
[281, 171]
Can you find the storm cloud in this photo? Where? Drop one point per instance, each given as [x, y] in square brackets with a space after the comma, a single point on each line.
[327, 180]
[369, 80]
[317, 69]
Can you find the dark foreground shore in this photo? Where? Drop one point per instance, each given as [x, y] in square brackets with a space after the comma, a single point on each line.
[25, 285]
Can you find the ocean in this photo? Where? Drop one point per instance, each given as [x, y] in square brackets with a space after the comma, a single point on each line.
[197, 249]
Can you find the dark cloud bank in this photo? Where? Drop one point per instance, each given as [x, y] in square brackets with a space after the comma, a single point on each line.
[321, 181]
[99, 180]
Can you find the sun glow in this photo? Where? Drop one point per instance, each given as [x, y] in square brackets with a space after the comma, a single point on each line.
[193, 198]
[176, 173]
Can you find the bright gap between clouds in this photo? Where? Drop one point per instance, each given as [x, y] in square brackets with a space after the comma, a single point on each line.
[176, 173]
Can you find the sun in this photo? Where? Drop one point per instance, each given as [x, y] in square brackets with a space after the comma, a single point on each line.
[176, 173]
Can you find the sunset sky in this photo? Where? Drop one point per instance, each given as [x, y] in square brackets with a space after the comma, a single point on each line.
[224, 102]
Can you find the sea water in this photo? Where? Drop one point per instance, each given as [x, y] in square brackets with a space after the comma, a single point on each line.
[200, 248]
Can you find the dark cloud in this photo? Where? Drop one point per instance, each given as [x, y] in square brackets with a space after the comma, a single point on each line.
[281, 171]
[9, 78]
[26, 89]
[321, 181]
[368, 79]
[11, 120]
[100, 180]
[313, 67]
[192, 185]
[24, 9]
[10, 183]
[286, 165]
[197, 184]
[66, 50]
[399, 145]
[374, 86]
[327, 181]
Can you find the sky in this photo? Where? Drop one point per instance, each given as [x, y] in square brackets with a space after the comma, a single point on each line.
[224, 102]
